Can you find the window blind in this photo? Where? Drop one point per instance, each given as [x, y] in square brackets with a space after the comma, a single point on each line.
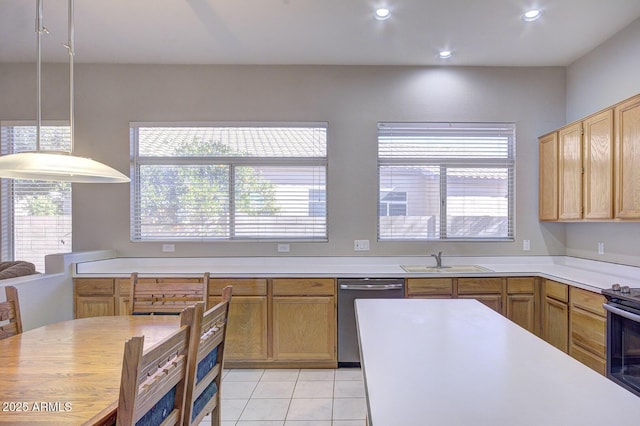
[228, 181]
[446, 181]
[36, 215]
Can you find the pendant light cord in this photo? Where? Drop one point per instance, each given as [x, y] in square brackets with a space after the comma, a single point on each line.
[39, 30]
[71, 50]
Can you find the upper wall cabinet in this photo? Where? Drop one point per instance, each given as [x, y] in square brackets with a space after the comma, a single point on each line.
[598, 166]
[588, 173]
[548, 174]
[627, 116]
[570, 172]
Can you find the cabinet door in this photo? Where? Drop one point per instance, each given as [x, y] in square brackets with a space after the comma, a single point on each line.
[548, 177]
[570, 172]
[304, 329]
[247, 329]
[521, 310]
[627, 143]
[598, 166]
[555, 323]
[94, 306]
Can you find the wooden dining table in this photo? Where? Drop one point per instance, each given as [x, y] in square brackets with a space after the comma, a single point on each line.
[68, 373]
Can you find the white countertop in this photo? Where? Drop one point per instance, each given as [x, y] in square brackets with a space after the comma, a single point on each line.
[457, 362]
[589, 274]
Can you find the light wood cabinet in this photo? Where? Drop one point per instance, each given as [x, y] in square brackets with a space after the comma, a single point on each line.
[485, 290]
[430, 288]
[247, 333]
[570, 172]
[94, 297]
[548, 177]
[587, 328]
[555, 314]
[305, 321]
[598, 166]
[627, 143]
[521, 301]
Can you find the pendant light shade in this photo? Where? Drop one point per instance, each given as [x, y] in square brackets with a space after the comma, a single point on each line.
[56, 166]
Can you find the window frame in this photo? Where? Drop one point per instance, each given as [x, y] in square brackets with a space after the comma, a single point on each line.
[444, 164]
[232, 162]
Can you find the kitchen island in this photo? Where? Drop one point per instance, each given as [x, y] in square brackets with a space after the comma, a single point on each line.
[457, 362]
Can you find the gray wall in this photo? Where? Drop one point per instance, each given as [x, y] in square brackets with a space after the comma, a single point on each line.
[604, 76]
[351, 98]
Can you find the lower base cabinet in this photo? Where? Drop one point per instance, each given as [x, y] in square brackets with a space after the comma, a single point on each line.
[588, 328]
[247, 333]
[521, 303]
[555, 314]
[304, 328]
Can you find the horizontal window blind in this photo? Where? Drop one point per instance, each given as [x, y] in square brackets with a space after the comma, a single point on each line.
[36, 215]
[446, 181]
[221, 181]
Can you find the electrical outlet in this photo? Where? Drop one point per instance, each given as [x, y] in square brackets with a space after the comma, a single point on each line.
[283, 248]
[361, 245]
[526, 245]
[168, 248]
[600, 248]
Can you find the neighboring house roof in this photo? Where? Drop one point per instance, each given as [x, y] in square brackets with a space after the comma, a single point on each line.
[239, 141]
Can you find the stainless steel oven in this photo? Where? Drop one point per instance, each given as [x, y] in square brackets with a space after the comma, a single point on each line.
[623, 336]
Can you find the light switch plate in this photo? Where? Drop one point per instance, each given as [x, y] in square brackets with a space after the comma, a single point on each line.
[361, 245]
[283, 248]
[526, 245]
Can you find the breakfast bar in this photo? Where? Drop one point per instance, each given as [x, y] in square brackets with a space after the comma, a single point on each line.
[457, 362]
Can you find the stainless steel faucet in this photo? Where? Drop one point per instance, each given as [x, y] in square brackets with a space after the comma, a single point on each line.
[438, 259]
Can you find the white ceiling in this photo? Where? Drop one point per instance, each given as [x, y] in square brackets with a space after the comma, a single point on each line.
[479, 32]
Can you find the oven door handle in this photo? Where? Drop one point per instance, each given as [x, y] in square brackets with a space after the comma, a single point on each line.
[622, 312]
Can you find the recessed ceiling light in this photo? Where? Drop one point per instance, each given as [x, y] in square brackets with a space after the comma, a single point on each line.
[531, 15]
[382, 14]
[444, 54]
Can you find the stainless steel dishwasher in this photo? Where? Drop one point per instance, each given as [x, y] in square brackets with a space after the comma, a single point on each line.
[350, 289]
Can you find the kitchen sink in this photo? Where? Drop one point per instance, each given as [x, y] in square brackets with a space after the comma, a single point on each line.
[453, 269]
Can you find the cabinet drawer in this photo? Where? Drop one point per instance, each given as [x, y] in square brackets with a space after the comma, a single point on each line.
[94, 286]
[428, 286]
[479, 285]
[556, 290]
[304, 286]
[588, 331]
[241, 286]
[588, 300]
[525, 285]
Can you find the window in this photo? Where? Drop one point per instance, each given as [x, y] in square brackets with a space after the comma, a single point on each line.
[228, 181]
[446, 181]
[36, 215]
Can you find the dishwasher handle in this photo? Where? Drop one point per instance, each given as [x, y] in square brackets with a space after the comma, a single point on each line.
[371, 287]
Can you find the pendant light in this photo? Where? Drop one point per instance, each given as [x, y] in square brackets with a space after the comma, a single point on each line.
[50, 165]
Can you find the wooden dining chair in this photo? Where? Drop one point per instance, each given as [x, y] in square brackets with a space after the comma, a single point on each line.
[153, 381]
[204, 372]
[169, 296]
[10, 320]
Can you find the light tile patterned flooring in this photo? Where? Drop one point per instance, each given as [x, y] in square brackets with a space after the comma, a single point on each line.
[291, 397]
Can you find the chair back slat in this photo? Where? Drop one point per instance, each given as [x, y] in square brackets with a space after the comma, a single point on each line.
[10, 319]
[153, 382]
[166, 296]
[205, 368]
